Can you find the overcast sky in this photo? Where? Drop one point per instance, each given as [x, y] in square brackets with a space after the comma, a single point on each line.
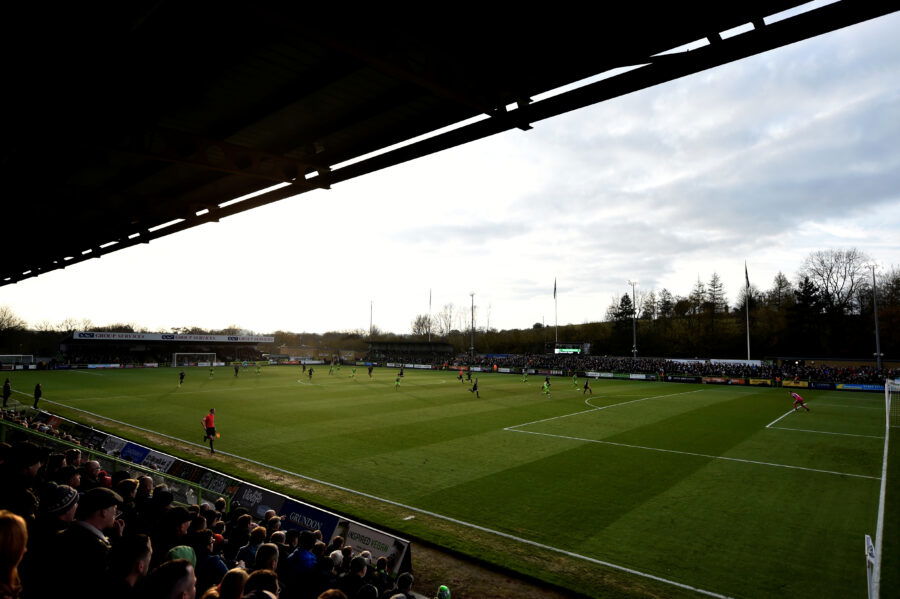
[762, 160]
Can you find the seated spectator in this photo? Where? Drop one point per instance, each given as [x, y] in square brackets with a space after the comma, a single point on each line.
[13, 540]
[172, 580]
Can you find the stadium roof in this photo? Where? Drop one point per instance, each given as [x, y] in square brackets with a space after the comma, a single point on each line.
[129, 121]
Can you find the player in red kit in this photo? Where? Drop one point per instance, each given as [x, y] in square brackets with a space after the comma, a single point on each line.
[799, 402]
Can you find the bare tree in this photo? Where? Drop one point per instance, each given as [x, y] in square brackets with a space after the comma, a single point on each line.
[9, 319]
[839, 275]
[421, 325]
[445, 320]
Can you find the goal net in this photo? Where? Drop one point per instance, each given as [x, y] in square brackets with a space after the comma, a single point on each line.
[891, 391]
[10, 361]
[186, 359]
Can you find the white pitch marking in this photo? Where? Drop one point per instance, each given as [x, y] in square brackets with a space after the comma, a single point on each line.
[700, 455]
[426, 512]
[779, 418]
[805, 430]
[596, 408]
[842, 405]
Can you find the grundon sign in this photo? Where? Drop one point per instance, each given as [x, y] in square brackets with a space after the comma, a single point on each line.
[95, 336]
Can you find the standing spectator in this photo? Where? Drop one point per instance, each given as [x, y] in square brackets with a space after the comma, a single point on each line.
[247, 553]
[173, 580]
[353, 580]
[13, 539]
[58, 505]
[38, 392]
[84, 543]
[129, 563]
[171, 531]
[7, 391]
[266, 557]
[90, 473]
[231, 587]
[262, 584]
[73, 457]
[278, 538]
[300, 567]
[210, 566]
[17, 493]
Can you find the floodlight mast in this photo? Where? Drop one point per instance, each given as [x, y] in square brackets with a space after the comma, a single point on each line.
[875, 311]
[472, 343]
[633, 321]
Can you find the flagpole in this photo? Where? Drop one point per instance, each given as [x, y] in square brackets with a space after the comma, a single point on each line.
[429, 316]
[747, 301]
[555, 315]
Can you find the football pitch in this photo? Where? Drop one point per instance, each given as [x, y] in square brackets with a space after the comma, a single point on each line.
[722, 490]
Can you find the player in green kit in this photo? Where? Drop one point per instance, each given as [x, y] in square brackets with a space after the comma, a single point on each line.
[353, 373]
[331, 368]
[524, 375]
[545, 389]
[575, 381]
[212, 371]
[397, 382]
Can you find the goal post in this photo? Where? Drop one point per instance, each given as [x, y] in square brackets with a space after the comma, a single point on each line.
[874, 551]
[193, 359]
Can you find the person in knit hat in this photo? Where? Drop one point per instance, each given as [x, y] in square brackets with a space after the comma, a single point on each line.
[57, 511]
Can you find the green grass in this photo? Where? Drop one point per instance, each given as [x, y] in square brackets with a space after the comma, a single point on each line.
[641, 484]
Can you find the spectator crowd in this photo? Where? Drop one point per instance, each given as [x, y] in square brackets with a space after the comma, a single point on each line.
[69, 528]
[800, 370]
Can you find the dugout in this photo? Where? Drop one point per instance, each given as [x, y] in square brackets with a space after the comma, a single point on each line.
[126, 348]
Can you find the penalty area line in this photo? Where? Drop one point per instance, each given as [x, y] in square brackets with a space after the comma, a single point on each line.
[596, 408]
[699, 455]
[423, 511]
[806, 430]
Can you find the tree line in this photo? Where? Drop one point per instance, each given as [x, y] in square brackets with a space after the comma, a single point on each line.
[825, 310]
